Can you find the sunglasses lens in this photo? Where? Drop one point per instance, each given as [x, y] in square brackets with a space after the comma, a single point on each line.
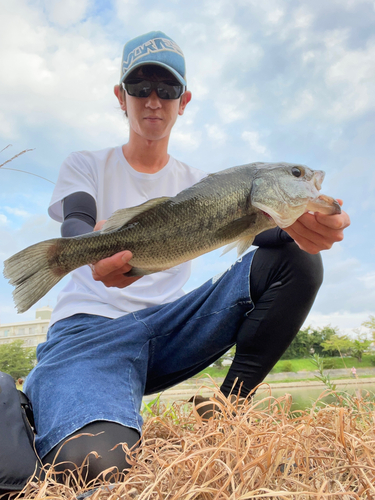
[139, 89]
[166, 91]
[144, 88]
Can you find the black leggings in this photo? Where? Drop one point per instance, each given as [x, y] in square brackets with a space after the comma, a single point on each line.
[283, 286]
[73, 453]
[284, 283]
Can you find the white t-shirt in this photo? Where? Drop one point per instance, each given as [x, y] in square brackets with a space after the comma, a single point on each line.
[114, 184]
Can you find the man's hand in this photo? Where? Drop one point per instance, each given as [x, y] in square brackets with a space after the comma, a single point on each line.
[110, 271]
[316, 232]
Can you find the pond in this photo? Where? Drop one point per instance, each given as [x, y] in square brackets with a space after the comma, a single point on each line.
[304, 397]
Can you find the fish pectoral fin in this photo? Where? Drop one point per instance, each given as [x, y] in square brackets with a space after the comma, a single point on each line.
[229, 247]
[121, 217]
[241, 229]
[242, 245]
[235, 228]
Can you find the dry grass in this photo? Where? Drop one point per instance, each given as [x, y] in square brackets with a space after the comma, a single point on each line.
[256, 450]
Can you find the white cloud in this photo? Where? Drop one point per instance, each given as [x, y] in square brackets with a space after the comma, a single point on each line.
[368, 280]
[52, 75]
[66, 12]
[216, 133]
[3, 219]
[236, 107]
[186, 140]
[345, 321]
[16, 211]
[7, 127]
[302, 18]
[253, 139]
[351, 76]
[275, 15]
[303, 103]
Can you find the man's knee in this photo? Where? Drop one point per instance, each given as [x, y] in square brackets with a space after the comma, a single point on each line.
[286, 265]
[97, 451]
[307, 267]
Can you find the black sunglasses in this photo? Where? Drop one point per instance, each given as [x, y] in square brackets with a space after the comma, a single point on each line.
[143, 88]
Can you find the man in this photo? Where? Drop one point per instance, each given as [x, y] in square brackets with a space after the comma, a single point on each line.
[114, 338]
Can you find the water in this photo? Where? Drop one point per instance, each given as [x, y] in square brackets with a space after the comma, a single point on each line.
[303, 397]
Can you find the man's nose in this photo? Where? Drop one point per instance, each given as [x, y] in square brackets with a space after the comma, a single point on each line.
[153, 100]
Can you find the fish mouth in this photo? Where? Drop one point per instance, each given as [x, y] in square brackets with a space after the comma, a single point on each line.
[267, 215]
[325, 205]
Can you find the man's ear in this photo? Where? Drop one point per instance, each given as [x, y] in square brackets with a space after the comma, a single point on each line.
[120, 94]
[184, 100]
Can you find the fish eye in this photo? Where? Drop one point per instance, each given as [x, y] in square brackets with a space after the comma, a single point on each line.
[296, 172]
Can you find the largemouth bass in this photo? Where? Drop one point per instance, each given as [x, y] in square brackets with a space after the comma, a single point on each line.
[226, 208]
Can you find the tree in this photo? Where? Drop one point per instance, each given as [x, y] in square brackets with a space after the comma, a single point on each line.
[17, 360]
[308, 341]
[342, 344]
[370, 324]
[359, 347]
[345, 345]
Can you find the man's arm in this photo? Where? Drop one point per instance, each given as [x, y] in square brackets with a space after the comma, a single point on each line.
[79, 212]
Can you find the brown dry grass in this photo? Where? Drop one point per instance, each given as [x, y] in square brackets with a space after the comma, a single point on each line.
[255, 450]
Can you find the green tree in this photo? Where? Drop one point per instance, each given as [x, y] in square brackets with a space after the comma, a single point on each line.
[370, 324]
[17, 360]
[359, 348]
[338, 343]
[360, 345]
[308, 341]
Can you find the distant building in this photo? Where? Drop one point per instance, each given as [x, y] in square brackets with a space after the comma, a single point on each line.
[31, 332]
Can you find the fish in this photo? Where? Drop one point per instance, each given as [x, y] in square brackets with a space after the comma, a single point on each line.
[229, 208]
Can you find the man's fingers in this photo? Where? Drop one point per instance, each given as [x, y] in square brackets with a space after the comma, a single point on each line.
[340, 221]
[307, 240]
[117, 263]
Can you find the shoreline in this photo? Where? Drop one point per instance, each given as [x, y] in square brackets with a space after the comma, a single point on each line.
[205, 386]
[318, 383]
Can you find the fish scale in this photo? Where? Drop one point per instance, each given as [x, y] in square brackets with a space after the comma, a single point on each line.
[226, 208]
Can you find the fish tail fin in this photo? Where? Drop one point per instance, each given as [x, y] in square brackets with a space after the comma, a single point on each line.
[30, 272]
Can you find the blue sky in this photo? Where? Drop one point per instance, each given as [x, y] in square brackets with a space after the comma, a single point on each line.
[271, 81]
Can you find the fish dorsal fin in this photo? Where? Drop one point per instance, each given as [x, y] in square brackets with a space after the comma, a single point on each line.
[242, 245]
[121, 217]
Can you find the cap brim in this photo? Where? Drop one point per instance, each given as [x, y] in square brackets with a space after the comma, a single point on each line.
[153, 63]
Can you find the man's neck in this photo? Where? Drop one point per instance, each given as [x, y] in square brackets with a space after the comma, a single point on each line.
[146, 156]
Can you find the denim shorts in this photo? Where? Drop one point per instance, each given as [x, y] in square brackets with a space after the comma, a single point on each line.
[96, 368]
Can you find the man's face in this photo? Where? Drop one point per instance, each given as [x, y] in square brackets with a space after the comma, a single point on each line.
[152, 118]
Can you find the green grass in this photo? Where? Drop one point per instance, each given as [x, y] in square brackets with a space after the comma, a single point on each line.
[305, 364]
[298, 365]
[213, 372]
[313, 379]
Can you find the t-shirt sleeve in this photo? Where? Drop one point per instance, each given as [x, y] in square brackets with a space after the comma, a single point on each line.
[77, 173]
